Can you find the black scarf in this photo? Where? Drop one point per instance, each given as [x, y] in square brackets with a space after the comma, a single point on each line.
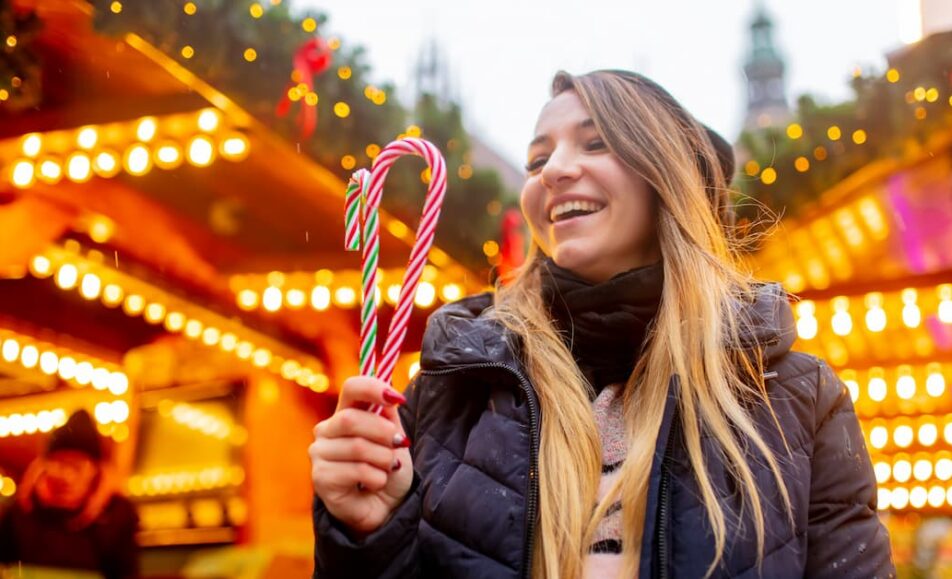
[604, 324]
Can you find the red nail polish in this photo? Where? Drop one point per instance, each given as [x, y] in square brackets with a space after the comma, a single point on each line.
[401, 441]
[396, 465]
[394, 397]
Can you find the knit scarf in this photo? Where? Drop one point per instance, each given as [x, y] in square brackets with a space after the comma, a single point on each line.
[603, 324]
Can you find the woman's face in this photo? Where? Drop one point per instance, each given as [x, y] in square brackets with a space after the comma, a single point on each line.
[585, 208]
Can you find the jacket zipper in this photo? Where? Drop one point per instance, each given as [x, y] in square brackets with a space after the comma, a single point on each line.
[532, 495]
[665, 500]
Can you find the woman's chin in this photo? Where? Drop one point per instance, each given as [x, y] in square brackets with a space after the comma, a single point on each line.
[576, 260]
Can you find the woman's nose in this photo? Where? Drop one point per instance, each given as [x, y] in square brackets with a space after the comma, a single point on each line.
[562, 167]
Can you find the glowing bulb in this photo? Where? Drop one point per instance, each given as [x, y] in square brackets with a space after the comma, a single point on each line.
[112, 295]
[106, 164]
[451, 292]
[244, 350]
[883, 499]
[29, 356]
[875, 315]
[228, 342]
[40, 266]
[201, 153]
[902, 471]
[877, 389]
[49, 363]
[425, 295]
[903, 436]
[90, 286]
[145, 130]
[78, 167]
[87, 138]
[936, 496]
[67, 276]
[947, 433]
[235, 147]
[154, 313]
[50, 171]
[320, 298]
[900, 498]
[271, 299]
[175, 321]
[120, 411]
[261, 358]
[879, 437]
[138, 161]
[295, 298]
[67, 368]
[906, 386]
[11, 350]
[345, 296]
[31, 145]
[168, 156]
[208, 120]
[918, 497]
[118, 383]
[100, 379]
[853, 387]
[393, 293]
[193, 329]
[922, 470]
[103, 413]
[84, 373]
[134, 304]
[23, 174]
[210, 336]
[882, 471]
[842, 322]
[943, 469]
[247, 299]
[935, 384]
[928, 434]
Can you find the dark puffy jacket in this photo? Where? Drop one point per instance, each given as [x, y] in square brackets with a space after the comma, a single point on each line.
[473, 418]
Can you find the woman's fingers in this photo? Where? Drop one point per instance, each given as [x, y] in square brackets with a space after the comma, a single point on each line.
[353, 422]
[345, 476]
[362, 391]
[353, 449]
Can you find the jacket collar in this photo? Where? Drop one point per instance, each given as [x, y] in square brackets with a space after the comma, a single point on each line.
[464, 333]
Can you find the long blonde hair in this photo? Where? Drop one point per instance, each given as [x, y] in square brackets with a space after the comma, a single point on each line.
[691, 337]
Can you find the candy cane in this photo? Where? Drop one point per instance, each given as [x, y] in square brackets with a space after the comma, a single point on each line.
[371, 251]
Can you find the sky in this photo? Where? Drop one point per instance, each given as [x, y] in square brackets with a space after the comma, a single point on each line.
[502, 54]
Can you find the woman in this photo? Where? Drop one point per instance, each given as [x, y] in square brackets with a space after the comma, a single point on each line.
[626, 406]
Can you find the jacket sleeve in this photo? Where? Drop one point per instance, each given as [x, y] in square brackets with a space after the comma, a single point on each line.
[390, 552]
[845, 536]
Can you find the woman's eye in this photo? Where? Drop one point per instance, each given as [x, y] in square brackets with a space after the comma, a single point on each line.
[535, 164]
[595, 145]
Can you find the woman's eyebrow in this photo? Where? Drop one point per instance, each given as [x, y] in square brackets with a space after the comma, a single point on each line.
[585, 124]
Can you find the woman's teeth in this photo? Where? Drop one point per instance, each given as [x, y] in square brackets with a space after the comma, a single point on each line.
[571, 209]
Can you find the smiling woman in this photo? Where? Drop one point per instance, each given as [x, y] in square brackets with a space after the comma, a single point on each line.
[626, 406]
[585, 208]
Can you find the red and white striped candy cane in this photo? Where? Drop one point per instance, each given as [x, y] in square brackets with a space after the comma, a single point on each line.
[421, 248]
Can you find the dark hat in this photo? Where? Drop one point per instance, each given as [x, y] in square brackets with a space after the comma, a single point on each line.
[79, 434]
[725, 152]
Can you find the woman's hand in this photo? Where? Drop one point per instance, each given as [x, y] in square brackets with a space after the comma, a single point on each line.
[360, 462]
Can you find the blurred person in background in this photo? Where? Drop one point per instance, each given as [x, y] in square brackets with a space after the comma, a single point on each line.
[67, 514]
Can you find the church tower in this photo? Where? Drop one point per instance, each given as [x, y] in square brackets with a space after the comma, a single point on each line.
[766, 94]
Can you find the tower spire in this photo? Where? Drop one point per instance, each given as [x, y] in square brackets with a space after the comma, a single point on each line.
[766, 94]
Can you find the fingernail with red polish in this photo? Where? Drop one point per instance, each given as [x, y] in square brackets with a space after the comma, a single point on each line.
[393, 397]
[396, 465]
[401, 441]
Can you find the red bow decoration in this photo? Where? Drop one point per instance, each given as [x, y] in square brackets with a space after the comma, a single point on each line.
[310, 59]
